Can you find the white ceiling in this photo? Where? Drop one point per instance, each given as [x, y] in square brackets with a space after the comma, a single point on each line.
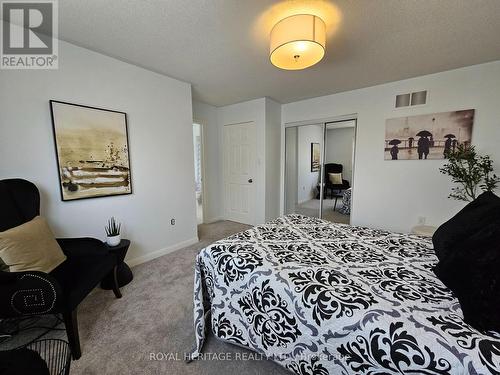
[221, 46]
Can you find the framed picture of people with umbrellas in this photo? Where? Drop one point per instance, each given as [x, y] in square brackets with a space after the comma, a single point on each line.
[429, 136]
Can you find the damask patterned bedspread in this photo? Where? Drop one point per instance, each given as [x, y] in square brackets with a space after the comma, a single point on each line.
[322, 298]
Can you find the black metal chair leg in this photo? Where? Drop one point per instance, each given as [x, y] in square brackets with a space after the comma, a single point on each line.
[116, 287]
[71, 324]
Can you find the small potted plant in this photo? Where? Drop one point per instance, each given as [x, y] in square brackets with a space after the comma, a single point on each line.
[113, 236]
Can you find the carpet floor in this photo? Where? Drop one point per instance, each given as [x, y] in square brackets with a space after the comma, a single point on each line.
[154, 319]
[311, 208]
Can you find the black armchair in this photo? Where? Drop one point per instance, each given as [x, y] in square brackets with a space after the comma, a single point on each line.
[334, 168]
[62, 290]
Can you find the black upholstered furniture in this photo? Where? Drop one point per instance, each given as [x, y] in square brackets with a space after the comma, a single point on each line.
[334, 168]
[62, 290]
[468, 248]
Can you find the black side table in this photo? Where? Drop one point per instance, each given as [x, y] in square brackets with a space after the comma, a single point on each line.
[123, 273]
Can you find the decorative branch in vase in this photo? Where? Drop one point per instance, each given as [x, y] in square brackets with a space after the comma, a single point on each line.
[471, 171]
[113, 236]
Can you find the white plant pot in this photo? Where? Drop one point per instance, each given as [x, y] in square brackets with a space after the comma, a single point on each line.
[113, 240]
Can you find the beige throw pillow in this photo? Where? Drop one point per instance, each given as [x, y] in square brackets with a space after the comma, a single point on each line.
[335, 178]
[30, 247]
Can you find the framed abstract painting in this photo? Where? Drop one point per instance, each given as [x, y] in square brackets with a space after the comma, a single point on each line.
[315, 157]
[92, 151]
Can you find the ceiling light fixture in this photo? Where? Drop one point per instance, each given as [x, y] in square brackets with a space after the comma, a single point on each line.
[298, 42]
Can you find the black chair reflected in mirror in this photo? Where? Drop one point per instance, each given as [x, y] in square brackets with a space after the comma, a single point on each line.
[62, 290]
[331, 187]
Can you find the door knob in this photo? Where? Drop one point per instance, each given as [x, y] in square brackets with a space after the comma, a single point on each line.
[250, 181]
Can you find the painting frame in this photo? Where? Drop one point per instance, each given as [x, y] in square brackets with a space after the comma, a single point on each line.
[428, 136]
[58, 156]
[315, 156]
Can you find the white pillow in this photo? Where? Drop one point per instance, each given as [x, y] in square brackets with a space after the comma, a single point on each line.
[335, 178]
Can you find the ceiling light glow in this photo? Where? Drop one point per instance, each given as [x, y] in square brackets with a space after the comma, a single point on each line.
[297, 42]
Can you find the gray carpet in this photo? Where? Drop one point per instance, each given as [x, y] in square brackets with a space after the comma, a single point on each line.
[311, 208]
[155, 315]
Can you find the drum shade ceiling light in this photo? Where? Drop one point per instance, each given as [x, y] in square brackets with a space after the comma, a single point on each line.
[298, 42]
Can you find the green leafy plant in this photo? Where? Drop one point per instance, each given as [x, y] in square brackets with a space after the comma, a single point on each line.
[113, 228]
[471, 171]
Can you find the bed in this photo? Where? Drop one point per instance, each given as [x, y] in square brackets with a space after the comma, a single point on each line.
[323, 298]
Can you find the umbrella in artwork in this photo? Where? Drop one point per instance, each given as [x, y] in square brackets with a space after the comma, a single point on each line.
[395, 142]
[424, 133]
[450, 136]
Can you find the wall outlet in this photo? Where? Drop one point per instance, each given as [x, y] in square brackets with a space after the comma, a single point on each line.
[172, 221]
[421, 220]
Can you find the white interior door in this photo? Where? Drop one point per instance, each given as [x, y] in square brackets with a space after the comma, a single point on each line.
[239, 172]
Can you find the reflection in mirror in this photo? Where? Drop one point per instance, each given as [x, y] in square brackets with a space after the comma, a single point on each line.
[303, 159]
[319, 170]
[338, 171]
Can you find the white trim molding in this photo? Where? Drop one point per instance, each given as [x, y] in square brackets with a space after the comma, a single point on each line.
[158, 253]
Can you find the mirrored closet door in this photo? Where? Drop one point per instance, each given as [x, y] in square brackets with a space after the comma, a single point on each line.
[303, 161]
[338, 171]
[319, 165]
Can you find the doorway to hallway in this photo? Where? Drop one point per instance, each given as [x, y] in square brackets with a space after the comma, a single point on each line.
[198, 170]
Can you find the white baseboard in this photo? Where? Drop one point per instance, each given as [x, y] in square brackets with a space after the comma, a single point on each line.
[158, 253]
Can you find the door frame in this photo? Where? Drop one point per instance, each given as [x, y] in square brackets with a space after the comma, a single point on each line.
[324, 120]
[224, 176]
[202, 166]
[285, 195]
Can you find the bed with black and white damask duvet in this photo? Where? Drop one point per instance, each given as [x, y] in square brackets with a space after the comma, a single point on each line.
[322, 298]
